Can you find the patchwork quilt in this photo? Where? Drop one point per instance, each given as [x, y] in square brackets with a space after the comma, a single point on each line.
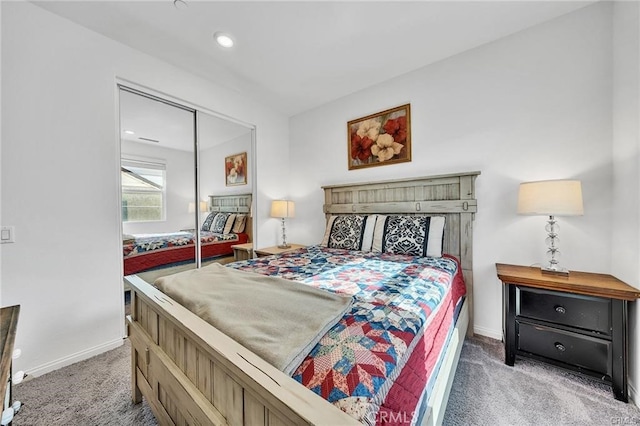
[401, 303]
[145, 252]
[144, 243]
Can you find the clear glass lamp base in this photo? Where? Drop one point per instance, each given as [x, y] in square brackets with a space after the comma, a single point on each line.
[284, 244]
[553, 254]
[555, 271]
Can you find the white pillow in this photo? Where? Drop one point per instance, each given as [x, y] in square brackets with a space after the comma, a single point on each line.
[367, 237]
[436, 234]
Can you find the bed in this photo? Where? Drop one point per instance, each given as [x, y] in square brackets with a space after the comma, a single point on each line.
[190, 372]
[145, 252]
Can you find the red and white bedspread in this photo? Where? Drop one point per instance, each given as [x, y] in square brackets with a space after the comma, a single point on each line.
[377, 361]
[150, 251]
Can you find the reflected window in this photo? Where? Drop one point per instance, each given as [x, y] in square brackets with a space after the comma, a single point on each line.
[143, 191]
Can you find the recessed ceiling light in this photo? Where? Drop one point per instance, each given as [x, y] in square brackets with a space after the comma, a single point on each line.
[130, 132]
[223, 39]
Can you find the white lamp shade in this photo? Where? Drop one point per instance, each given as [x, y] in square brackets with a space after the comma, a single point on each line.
[283, 208]
[551, 198]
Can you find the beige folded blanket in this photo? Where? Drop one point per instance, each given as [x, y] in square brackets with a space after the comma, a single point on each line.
[277, 319]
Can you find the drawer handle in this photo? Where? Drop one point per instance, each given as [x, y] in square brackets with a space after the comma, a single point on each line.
[560, 347]
[560, 309]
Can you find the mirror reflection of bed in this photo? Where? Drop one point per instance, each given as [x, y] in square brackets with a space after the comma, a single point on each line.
[165, 230]
[216, 244]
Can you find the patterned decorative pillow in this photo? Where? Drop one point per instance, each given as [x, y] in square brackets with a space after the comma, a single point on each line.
[219, 222]
[412, 235]
[206, 225]
[239, 224]
[345, 232]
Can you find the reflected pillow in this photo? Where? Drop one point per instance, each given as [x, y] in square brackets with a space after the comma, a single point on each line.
[206, 225]
[239, 224]
[229, 224]
[219, 222]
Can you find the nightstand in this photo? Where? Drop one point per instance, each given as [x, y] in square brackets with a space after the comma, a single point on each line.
[577, 322]
[277, 250]
[243, 251]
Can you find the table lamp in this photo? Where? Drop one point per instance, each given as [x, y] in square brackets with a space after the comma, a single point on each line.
[551, 198]
[283, 209]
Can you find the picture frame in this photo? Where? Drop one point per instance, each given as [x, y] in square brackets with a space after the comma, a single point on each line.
[235, 169]
[380, 139]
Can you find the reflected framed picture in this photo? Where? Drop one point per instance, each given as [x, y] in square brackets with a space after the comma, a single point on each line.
[235, 169]
[380, 139]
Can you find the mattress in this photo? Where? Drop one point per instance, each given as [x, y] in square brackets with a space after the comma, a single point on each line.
[146, 252]
[378, 361]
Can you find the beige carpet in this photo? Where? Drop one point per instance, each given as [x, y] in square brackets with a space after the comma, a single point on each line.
[485, 392]
[94, 392]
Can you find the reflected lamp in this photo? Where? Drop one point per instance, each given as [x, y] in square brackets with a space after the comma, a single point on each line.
[551, 198]
[203, 207]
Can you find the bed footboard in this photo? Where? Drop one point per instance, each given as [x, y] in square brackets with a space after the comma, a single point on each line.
[191, 373]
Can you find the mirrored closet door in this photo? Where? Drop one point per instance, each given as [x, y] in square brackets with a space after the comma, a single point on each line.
[187, 185]
[225, 161]
[158, 180]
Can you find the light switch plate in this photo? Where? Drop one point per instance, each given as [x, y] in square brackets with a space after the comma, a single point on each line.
[7, 234]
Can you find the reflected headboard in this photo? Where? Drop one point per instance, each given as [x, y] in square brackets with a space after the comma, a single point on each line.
[235, 203]
[450, 195]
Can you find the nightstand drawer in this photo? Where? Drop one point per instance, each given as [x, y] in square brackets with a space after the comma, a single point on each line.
[571, 348]
[585, 312]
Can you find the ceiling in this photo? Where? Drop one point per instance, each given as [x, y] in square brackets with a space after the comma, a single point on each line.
[294, 56]
[159, 124]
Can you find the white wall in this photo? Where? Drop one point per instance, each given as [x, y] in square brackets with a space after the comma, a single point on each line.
[626, 161]
[180, 187]
[534, 105]
[59, 169]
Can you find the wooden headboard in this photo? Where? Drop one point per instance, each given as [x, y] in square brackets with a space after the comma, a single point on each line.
[450, 195]
[236, 203]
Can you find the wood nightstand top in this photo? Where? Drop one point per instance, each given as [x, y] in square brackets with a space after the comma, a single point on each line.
[267, 251]
[245, 246]
[591, 284]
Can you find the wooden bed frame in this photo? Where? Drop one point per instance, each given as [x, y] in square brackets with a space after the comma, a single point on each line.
[191, 373]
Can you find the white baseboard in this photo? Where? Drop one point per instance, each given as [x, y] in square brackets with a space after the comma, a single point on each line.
[73, 358]
[487, 332]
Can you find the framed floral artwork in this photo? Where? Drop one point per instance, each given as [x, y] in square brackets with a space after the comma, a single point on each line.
[381, 138]
[235, 169]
